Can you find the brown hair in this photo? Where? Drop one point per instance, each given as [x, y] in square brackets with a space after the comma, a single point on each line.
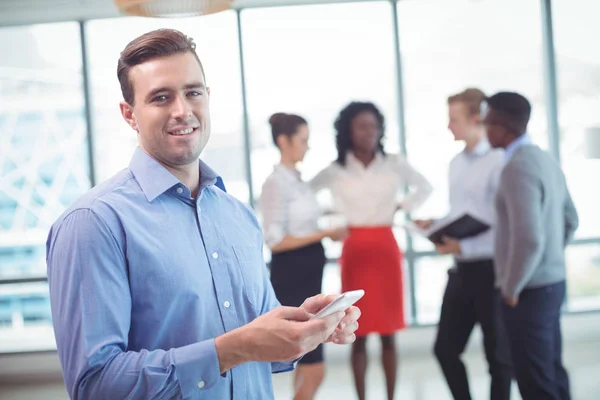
[151, 45]
[471, 97]
[285, 124]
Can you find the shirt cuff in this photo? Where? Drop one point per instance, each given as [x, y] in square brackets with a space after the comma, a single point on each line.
[466, 247]
[511, 292]
[197, 367]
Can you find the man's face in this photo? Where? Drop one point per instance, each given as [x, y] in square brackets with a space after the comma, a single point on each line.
[365, 131]
[171, 109]
[461, 123]
[496, 132]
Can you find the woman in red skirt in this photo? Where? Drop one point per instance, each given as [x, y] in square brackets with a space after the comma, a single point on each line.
[366, 184]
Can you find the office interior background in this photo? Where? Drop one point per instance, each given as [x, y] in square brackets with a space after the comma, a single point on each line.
[61, 131]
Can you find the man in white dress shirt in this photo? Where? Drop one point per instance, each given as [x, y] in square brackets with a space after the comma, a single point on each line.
[470, 295]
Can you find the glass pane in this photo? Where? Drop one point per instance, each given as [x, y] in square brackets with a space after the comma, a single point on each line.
[43, 167]
[25, 318]
[583, 277]
[312, 61]
[449, 46]
[431, 275]
[578, 63]
[216, 45]
[315, 72]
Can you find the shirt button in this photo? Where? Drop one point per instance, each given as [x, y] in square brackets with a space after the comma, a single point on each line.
[201, 384]
[179, 190]
[215, 255]
[227, 304]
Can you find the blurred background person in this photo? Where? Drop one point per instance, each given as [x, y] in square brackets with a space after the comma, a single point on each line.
[365, 183]
[470, 296]
[536, 221]
[290, 221]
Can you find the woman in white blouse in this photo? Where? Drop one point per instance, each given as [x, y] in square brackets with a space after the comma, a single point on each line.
[365, 184]
[290, 213]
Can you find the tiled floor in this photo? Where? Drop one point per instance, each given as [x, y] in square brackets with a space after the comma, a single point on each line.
[419, 377]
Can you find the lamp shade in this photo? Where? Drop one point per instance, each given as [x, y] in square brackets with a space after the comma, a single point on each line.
[592, 142]
[171, 8]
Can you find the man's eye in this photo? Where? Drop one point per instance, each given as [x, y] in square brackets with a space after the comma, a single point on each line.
[160, 98]
[194, 93]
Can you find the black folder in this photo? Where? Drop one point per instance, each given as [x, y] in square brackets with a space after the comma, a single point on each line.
[460, 228]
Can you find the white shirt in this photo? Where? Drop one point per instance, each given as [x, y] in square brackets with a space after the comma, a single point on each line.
[474, 176]
[369, 196]
[288, 205]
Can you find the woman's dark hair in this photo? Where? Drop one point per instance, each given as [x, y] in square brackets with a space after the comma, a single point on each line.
[285, 124]
[343, 125]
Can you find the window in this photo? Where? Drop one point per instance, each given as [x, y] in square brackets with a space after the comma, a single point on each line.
[43, 168]
[449, 46]
[216, 45]
[313, 61]
[579, 96]
[431, 275]
[583, 277]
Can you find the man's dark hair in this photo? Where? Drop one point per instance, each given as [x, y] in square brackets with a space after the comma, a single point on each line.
[151, 45]
[513, 109]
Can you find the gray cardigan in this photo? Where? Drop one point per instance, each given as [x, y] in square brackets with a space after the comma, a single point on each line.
[536, 219]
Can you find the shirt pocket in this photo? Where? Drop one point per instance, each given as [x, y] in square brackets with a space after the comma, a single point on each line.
[250, 264]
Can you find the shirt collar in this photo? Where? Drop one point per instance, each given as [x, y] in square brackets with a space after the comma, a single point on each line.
[154, 179]
[352, 160]
[481, 148]
[521, 141]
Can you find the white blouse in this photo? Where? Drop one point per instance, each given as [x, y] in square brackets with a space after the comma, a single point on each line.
[370, 196]
[288, 205]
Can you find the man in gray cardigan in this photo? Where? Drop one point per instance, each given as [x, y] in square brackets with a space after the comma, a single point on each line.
[536, 219]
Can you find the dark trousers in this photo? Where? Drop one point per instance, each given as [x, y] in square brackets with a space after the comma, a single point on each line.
[471, 298]
[536, 343]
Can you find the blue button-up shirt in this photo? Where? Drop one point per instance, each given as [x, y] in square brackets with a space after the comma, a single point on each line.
[143, 278]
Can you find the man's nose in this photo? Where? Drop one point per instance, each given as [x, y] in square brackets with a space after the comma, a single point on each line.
[181, 108]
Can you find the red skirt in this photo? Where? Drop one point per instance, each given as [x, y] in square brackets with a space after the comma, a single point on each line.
[371, 260]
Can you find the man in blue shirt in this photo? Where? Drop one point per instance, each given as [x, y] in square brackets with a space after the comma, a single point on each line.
[157, 283]
[470, 295]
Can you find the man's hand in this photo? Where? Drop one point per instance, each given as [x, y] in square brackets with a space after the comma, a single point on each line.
[449, 246]
[423, 223]
[512, 303]
[283, 334]
[344, 332]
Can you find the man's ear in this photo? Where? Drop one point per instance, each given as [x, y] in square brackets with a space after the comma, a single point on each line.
[128, 116]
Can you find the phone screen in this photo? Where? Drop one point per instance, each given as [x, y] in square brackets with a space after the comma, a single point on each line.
[344, 301]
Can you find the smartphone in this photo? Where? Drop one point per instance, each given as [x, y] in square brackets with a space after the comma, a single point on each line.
[344, 301]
